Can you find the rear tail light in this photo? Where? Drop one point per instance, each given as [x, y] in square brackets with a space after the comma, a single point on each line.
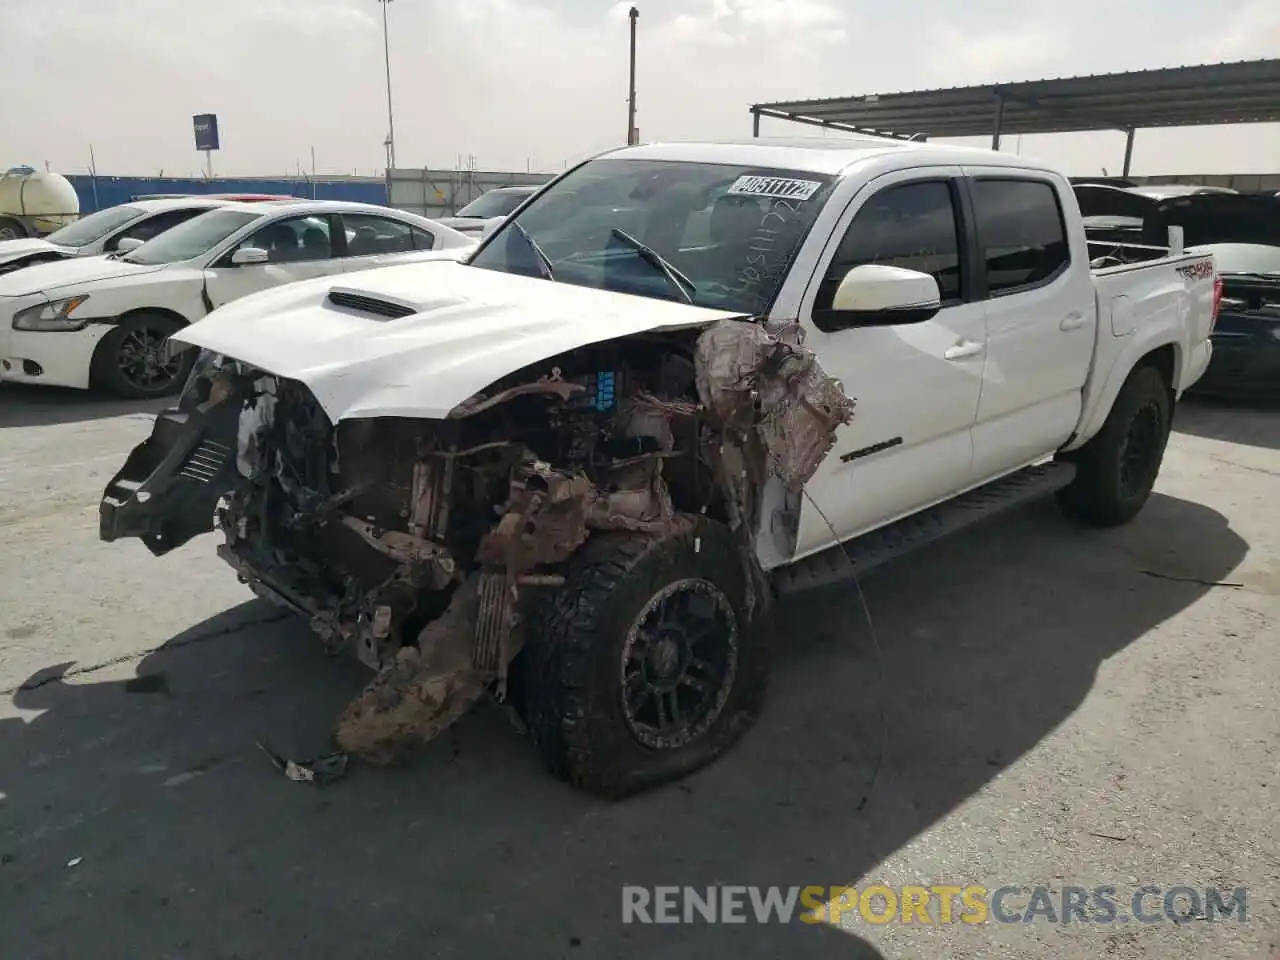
[1217, 303]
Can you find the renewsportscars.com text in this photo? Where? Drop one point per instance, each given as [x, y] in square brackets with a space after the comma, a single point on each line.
[934, 904]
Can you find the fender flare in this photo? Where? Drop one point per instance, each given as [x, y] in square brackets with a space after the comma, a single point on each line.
[1139, 347]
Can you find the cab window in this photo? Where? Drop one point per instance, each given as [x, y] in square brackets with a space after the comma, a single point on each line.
[1021, 232]
[911, 225]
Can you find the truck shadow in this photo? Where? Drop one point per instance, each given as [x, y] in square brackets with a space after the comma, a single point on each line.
[26, 406]
[1252, 424]
[184, 833]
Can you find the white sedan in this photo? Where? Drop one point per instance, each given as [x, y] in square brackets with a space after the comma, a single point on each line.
[101, 232]
[103, 321]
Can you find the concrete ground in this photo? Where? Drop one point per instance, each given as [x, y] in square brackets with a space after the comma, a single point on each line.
[1059, 707]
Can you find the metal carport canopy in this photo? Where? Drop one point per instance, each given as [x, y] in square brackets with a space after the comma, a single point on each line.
[1223, 93]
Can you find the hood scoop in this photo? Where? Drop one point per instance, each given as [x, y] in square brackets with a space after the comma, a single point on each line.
[388, 307]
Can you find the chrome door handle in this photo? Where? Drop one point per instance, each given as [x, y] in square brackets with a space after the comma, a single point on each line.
[1072, 321]
[967, 348]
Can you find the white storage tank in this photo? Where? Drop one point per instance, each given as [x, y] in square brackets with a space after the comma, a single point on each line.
[34, 203]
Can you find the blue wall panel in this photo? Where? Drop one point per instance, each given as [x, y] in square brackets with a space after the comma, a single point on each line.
[97, 193]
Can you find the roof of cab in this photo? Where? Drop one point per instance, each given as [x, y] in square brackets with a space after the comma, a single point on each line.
[823, 155]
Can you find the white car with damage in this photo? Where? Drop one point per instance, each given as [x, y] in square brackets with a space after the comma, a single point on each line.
[104, 321]
[575, 469]
[103, 231]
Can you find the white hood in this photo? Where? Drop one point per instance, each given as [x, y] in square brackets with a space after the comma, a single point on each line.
[50, 277]
[11, 250]
[471, 328]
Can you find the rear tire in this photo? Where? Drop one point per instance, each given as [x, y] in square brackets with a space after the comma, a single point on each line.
[1116, 470]
[130, 360]
[645, 629]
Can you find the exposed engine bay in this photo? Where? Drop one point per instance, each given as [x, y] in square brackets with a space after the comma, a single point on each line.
[418, 543]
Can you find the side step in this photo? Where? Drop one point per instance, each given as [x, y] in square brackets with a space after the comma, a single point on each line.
[863, 554]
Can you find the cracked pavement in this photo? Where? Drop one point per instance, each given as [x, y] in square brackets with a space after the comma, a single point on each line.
[1056, 715]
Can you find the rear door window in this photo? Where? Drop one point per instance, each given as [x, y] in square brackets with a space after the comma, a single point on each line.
[372, 235]
[1021, 233]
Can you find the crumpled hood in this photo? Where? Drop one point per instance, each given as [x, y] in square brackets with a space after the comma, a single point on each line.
[11, 250]
[50, 277]
[471, 327]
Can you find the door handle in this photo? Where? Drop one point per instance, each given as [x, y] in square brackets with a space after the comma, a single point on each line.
[1072, 321]
[966, 348]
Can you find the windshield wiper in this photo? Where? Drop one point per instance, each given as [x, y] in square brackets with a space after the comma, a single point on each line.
[679, 282]
[544, 262]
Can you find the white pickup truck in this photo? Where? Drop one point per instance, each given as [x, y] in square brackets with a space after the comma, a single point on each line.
[573, 469]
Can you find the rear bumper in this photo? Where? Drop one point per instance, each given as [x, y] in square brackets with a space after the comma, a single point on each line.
[1196, 364]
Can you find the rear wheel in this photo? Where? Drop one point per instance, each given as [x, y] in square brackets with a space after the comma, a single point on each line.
[1117, 469]
[132, 361]
[645, 666]
[11, 229]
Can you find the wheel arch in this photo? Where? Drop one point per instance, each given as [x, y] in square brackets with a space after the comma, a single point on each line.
[96, 374]
[166, 312]
[1162, 353]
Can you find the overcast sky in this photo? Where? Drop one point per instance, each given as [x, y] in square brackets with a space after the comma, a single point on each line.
[541, 83]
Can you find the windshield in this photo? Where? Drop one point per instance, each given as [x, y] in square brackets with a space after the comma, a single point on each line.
[94, 227]
[729, 232]
[495, 203]
[192, 239]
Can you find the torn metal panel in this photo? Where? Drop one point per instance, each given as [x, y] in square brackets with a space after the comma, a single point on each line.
[407, 548]
[422, 691]
[551, 385]
[544, 521]
[632, 496]
[767, 384]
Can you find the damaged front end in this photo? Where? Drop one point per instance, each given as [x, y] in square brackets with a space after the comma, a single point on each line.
[418, 544]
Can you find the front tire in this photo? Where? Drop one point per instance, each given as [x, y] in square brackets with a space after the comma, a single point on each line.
[1117, 469]
[131, 362]
[645, 665]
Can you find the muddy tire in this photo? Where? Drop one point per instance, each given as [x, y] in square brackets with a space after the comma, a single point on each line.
[1116, 470]
[644, 666]
[130, 362]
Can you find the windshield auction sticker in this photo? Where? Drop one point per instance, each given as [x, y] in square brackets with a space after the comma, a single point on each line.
[783, 188]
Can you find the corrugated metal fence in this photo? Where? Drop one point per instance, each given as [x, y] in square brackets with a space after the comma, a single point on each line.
[97, 193]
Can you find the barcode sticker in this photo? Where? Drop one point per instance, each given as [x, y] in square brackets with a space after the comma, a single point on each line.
[783, 188]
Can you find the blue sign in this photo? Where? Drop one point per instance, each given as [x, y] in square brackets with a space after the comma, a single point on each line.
[206, 125]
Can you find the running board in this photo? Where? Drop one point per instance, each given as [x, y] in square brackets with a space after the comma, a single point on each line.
[861, 555]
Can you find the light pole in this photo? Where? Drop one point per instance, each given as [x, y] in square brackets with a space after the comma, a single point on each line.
[632, 139]
[391, 123]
